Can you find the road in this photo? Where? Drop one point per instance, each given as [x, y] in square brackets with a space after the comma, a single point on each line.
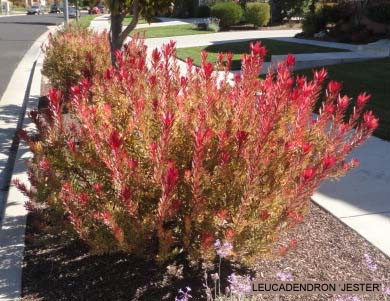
[17, 34]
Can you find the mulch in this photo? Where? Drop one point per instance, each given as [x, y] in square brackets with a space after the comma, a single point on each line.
[61, 268]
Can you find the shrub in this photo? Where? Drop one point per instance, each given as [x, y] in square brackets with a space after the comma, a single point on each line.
[229, 13]
[331, 14]
[74, 54]
[379, 13]
[286, 9]
[313, 23]
[257, 14]
[211, 24]
[325, 15]
[203, 11]
[153, 162]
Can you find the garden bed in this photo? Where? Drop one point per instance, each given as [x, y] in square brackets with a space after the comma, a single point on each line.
[59, 268]
[273, 47]
[344, 38]
[284, 26]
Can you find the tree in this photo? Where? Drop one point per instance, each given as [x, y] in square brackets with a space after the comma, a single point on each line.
[281, 9]
[137, 8]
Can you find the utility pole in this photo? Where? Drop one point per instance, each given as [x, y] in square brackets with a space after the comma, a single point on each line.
[66, 13]
[77, 11]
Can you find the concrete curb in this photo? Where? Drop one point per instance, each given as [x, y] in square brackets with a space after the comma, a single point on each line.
[13, 223]
[13, 15]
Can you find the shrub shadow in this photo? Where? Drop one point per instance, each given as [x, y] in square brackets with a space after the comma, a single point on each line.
[59, 269]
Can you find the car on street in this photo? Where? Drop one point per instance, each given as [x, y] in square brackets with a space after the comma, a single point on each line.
[54, 9]
[73, 12]
[102, 8]
[35, 10]
[94, 11]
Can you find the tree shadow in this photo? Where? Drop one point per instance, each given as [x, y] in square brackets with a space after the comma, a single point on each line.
[9, 116]
[11, 255]
[12, 152]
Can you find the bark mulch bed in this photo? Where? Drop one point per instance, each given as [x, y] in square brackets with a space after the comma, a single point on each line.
[60, 268]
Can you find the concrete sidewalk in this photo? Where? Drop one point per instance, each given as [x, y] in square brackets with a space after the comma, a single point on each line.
[221, 37]
[171, 22]
[103, 22]
[22, 94]
[361, 199]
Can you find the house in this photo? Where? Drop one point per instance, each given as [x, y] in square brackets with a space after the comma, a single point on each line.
[30, 3]
[5, 7]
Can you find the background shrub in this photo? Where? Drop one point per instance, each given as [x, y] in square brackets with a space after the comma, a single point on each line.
[257, 14]
[153, 162]
[203, 11]
[313, 23]
[331, 13]
[229, 13]
[74, 54]
[211, 24]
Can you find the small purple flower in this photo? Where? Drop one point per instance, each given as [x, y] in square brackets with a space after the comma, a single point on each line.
[240, 285]
[184, 295]
[223, 250]
[284, 276]
[215, 277]
[369, 262]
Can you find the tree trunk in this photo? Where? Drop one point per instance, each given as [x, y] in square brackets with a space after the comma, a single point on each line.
[115, 33]
[312, 6]
[117, 36]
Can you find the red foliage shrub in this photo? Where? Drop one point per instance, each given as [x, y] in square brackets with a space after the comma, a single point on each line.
[74, 54]
[153, 162]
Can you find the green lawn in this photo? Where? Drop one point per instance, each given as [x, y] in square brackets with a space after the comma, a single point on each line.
[19, 9]
[85, 21]
[127, 20]
[371, 76]
[171, 31]
[238, 48]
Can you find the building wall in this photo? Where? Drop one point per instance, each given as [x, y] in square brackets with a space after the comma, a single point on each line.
[35, 2]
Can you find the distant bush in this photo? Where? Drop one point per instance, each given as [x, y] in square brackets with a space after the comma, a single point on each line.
[203, 11]
[257, 14]
[153, 162]
[210, 24]
[74, 54]
[379, 13]
[313, 23]
[229, 13]
[328, 14]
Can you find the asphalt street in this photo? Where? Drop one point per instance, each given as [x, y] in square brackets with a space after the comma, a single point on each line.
[17, 34]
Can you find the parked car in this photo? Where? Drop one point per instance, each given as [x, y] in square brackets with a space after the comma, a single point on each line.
[73, 12]
[94, 11]
[102, 8]
[35, 10]
[54, 9]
